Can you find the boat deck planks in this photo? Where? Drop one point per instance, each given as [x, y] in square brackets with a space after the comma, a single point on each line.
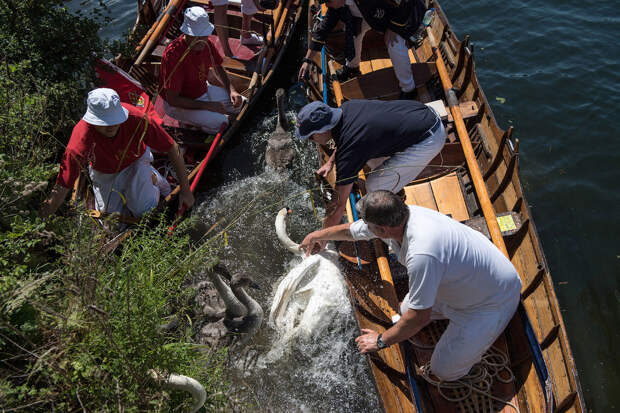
[420, 194]
[448, 197]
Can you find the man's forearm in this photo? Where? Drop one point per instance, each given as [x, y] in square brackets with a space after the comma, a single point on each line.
[334, 215]
[334, 233]
[408, 325]
[335, 209]
[174, 154]
[223, 76]
[53, 202]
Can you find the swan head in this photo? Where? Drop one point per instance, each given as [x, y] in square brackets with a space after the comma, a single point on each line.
[243, 279]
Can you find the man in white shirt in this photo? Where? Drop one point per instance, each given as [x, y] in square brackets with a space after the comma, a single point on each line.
[455, 273]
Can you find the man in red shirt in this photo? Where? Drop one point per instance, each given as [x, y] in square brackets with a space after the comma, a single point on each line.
[115, 138]
[186, 61]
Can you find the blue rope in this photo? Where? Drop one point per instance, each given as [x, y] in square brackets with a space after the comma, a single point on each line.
[324, 69]
[539, 361]
[405, 348]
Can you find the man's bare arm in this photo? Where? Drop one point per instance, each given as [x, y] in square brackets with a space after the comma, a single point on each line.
[335, 233]
[335, 209]
[235, 97]
[185, 195]
[409, 324]
[53, 202]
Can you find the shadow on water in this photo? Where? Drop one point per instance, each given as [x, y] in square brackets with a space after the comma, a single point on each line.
[324, 372]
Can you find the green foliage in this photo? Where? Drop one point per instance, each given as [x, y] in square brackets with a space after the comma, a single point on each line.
[79, 328]
[90, 331]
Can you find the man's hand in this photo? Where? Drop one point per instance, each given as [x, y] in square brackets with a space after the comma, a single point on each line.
[53, 202]
[367, 342]
[235, 98]
[311, 244]
[325, 169]
[303, 71]
[390, 37]
[186, 198]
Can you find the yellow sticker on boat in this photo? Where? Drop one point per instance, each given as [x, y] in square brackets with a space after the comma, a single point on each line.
[506, 223]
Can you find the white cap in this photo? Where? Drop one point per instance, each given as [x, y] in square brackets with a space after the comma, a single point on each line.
[196, 22]
[104, 108]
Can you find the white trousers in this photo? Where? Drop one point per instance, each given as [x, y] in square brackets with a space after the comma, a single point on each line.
[399, 54]
[403, 167]
[467, 337]
[208, 121]
[132, 187]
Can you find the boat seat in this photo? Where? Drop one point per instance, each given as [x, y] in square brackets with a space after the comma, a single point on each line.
[382, 83]
[442, 194]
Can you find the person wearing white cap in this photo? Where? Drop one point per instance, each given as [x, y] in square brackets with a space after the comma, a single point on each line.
[248, 9]
[115, 139]
[185, 64]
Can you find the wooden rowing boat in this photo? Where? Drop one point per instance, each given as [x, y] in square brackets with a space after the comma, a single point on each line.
[250, 71]
[475, 180]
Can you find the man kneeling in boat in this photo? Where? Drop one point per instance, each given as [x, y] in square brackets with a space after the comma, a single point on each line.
[188, 96]
[455, 273]
[397, 139]
[115, 139]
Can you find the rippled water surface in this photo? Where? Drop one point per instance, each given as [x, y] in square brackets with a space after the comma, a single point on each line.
[548, 68]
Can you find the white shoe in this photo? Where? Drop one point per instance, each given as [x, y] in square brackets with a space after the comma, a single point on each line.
[253, 40]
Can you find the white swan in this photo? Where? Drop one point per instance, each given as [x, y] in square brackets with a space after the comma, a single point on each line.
[183, 383]
[307, 297]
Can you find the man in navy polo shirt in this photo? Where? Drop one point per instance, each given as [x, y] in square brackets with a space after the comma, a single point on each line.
[396, 138]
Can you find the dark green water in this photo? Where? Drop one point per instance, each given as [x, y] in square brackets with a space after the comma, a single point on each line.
[555, 66]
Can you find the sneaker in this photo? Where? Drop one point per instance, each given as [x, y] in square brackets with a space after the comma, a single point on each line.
[411, 95]
[345, 73]
[253, 40]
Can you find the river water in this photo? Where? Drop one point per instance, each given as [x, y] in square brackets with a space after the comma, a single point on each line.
[548, 68]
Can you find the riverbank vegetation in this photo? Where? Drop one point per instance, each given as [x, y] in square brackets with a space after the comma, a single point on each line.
[80, 329]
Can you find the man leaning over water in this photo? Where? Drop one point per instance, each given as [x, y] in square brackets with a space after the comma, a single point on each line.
[455, 273]
[396, 138]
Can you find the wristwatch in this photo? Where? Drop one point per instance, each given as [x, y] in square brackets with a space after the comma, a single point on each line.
[306, 60]
[380, 344]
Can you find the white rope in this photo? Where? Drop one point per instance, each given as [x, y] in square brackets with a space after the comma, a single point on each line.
[479, 379]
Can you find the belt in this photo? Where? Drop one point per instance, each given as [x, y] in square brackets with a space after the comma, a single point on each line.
[432, 130]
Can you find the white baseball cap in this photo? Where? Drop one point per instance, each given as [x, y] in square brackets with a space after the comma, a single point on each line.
[196, 22]
[103, 108]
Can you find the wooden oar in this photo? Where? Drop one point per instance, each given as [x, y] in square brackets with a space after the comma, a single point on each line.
[389, 305]
[468, 150]
[154, 26]
[203, 165]
[171, 13]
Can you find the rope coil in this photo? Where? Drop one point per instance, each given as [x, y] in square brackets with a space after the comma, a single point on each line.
[479, 379]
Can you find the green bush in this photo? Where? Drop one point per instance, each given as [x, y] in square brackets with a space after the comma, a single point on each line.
[79, 327]
[88, 332]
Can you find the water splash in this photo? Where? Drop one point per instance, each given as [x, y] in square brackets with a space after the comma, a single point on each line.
[318, 368]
